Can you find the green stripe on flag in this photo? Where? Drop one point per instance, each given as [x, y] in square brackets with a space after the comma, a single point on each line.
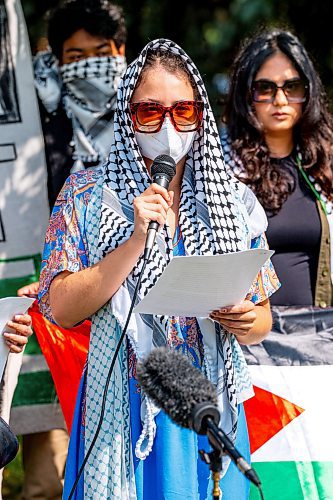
[35, 388]
[294, 480]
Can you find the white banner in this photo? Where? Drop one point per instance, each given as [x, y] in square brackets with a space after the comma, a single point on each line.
[24, 208]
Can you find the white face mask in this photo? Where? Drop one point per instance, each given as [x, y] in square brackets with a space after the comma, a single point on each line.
[168, 141]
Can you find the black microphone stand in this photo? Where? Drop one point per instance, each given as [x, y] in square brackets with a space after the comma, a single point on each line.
[222, 445]
[214, 460]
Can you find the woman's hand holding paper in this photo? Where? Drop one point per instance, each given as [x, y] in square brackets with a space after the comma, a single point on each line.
[245, 320]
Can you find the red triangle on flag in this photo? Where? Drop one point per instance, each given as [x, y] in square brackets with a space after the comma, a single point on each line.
[266, 415]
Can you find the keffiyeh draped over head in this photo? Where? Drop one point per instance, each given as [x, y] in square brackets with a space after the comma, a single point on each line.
[212, 220]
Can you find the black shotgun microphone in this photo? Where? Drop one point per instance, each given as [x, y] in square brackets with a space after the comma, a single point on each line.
[190, 400]
[163, 169]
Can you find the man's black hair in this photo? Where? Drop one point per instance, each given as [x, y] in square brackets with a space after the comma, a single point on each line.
[97, 17]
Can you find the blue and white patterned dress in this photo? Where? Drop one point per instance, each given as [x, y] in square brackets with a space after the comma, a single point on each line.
[173, 470]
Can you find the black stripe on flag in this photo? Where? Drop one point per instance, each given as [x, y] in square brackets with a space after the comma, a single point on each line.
[300, 336]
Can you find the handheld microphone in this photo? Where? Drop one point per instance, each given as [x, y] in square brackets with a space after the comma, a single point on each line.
[163, 170]
[189, 399]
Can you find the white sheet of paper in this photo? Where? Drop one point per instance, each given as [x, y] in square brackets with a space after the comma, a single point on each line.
[10, 306]
[196, 285]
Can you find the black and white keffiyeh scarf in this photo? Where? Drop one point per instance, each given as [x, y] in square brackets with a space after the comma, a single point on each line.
[87, 90]
[233, 162]
[213, 219]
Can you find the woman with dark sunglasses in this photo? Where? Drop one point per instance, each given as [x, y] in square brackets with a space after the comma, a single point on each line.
[92, 260]
[278, 140]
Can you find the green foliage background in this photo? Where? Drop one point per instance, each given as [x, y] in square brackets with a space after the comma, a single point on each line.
[211, 30]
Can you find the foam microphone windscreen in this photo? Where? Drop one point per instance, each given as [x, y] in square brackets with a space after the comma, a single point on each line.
[174, 384]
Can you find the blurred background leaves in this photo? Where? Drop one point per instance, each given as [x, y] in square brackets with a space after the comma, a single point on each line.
[211, 30]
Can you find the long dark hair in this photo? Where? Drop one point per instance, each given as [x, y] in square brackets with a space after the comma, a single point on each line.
[313, 134]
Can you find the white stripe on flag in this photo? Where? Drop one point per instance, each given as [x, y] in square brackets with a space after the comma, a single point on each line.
[308, 437]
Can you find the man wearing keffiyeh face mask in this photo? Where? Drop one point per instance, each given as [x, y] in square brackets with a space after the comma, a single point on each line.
[77, 85]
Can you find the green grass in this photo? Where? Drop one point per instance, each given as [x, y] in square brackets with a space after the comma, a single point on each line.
[13, 478]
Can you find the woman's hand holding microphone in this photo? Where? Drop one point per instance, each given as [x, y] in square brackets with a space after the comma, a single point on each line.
[152, 205]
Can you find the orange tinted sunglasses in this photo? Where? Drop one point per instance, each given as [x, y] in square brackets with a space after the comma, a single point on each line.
[148, 117]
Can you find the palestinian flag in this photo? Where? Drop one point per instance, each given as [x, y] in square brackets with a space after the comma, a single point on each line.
[290, 417]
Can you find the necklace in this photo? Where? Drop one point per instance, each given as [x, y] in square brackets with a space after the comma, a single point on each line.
[314, 186]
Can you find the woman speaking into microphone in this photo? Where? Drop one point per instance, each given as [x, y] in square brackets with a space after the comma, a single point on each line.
[93, 257]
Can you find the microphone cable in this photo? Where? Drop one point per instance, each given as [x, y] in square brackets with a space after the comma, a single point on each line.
[163, 169]
[108, 378]
[99, 425]
[260, 492]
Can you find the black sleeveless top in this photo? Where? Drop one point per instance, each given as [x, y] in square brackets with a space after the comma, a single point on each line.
[294, 233]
